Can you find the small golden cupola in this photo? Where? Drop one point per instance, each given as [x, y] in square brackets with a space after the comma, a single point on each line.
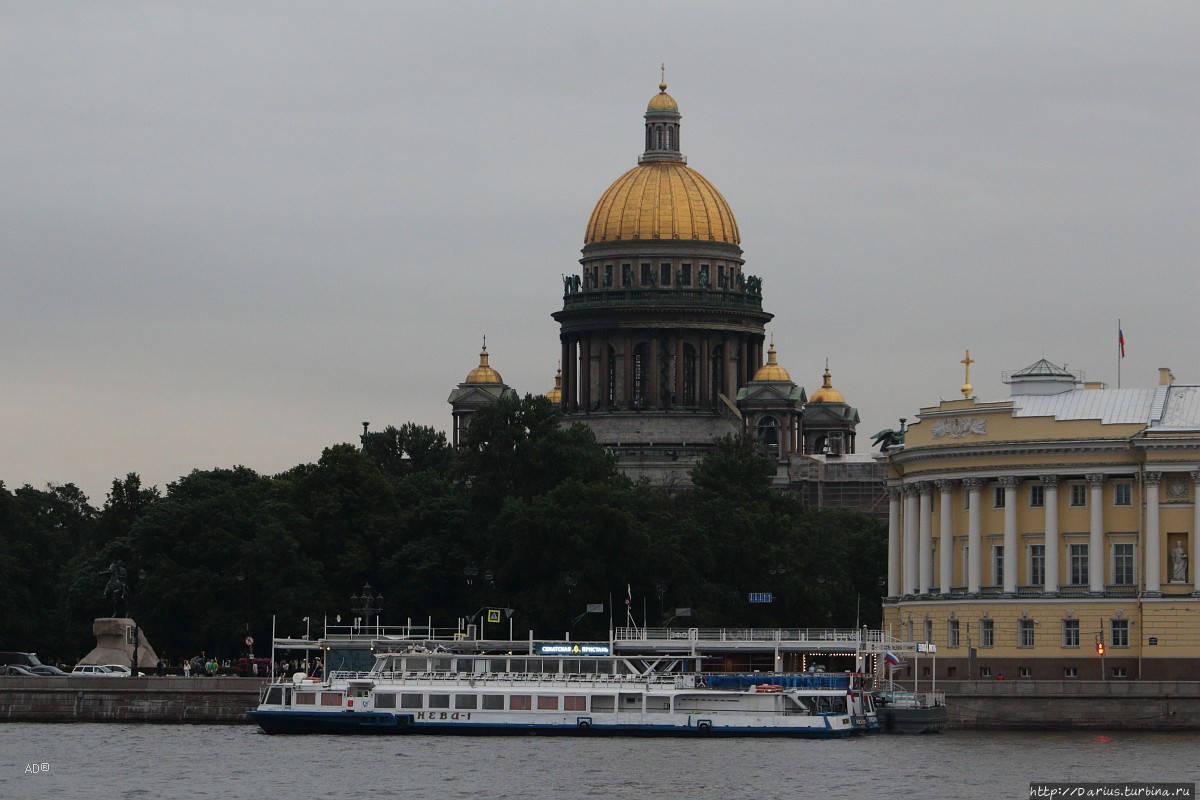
[483, 373]
[827, 394]
[555, 394]
[771, 371]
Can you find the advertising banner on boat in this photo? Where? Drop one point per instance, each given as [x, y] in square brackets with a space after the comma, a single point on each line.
[573, 649]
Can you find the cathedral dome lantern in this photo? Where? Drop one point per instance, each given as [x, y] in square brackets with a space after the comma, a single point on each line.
[484, 373]
[827, 394]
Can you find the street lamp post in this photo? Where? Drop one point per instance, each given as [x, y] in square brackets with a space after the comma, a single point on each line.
[571, 579]
[367, 604]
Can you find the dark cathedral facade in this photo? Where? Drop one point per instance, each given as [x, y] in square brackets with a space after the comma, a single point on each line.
[664, 347]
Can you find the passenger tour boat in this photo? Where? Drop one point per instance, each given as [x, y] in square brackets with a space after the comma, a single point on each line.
[417, 690]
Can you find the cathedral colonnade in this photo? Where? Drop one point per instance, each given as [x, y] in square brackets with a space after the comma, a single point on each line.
[654, 368]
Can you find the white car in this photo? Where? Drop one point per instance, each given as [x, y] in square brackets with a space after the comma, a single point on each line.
[119, 669]
[95, 671]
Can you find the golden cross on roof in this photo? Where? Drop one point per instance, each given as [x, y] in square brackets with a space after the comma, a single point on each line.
[967, 362]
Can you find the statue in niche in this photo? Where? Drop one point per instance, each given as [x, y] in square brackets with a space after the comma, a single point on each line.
[1179, 560]
[607, 279]
[704, 277]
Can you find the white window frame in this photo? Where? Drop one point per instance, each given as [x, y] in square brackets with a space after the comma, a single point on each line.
[1025, 636]
[1070, 633]
[1121, 639]
[1037, 564]
[1037, 496]
[1131, 564]
[1078, 563]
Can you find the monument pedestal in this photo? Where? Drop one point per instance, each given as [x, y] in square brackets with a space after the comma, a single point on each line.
[114, 644]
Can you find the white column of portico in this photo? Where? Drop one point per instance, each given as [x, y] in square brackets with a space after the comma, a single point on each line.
[1050, 497]
[946, 534]
[1096, 534]
[974, 538]
[1009, 482]
[910, 538]
[1195, 535]
[1153, 569]
[894, 542]
[926, 544]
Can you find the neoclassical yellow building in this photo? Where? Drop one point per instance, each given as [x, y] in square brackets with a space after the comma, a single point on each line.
[1025, 533]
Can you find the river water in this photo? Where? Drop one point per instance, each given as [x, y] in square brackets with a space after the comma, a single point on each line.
[210, 761]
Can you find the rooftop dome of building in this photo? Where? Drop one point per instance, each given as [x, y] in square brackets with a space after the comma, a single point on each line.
[771, 371]
[662, 101]
[662, 198]
[555, 394]
[827, 394]
[483, 373]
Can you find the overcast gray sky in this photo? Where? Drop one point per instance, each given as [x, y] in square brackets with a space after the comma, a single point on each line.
[231, 232]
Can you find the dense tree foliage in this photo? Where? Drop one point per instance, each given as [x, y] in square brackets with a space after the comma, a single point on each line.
[529, 516]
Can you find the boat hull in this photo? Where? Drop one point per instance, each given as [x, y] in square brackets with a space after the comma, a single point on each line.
[384, 723]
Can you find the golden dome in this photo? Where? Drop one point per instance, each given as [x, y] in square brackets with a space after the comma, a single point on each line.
[483, 373]
[662, 101]
[827, 394]
[555, 394]
[771, 371]
[662, 200]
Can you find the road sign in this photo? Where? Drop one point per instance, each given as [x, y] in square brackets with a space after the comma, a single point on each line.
[249, 641]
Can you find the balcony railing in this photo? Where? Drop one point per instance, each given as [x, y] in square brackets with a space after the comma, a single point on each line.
[674, 297]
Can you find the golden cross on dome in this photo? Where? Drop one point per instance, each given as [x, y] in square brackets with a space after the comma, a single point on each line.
[967, 362]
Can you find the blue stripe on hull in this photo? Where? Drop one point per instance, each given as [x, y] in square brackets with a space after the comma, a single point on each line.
[358, 722]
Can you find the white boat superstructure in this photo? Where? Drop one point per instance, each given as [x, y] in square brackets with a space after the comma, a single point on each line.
[418, 691]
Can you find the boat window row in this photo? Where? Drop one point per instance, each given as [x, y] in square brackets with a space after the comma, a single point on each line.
[490, 665]
[486, 702]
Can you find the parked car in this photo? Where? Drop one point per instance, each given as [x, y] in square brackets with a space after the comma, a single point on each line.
[119, 669]
[29, 660]
[47, 671]
[95, 671]
[18, 671]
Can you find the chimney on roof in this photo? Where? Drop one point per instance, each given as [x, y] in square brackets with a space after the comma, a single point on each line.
[1165, 377]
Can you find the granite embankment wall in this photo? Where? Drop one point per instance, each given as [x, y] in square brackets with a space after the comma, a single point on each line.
[1073, 705]
[149, 699]
[979, 705]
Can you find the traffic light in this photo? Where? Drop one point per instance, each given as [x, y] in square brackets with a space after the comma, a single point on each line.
[1099, 648]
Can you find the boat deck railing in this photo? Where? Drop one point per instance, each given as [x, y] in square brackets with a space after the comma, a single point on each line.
[818, 635]
[582, 680]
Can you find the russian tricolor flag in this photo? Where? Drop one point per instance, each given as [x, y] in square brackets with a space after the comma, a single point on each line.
[1121, 340]
[891, 658]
